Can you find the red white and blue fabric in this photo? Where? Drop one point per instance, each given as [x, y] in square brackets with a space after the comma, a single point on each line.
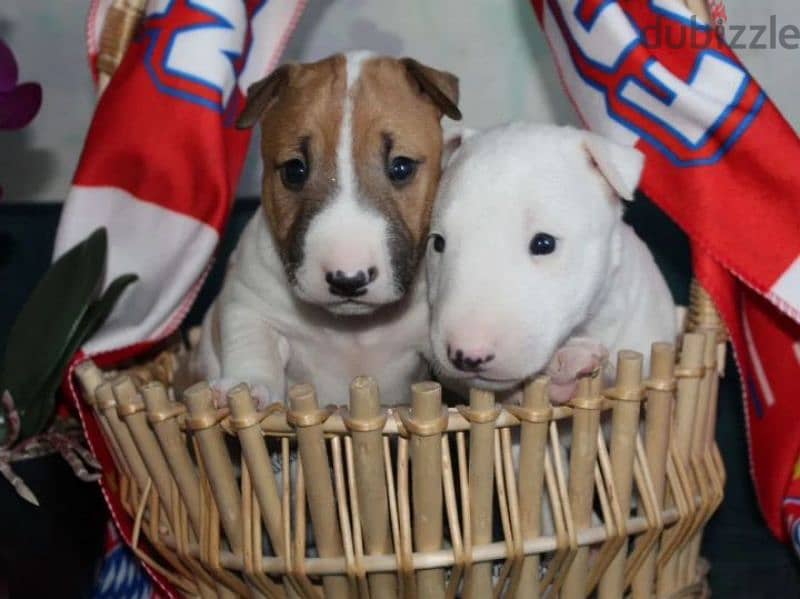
[162, 157]
[120, 574]
[159, 169]
[721, 162]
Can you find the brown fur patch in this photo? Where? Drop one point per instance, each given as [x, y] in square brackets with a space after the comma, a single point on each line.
[393, 117]
[309, 108]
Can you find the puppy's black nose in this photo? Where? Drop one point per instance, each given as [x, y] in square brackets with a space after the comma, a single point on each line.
[350, 284]
[467, 362]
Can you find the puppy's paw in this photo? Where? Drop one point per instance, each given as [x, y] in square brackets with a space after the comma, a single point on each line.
[261, 395]
[561, 393]
[219, 390]
[220, 387]
[580, 356]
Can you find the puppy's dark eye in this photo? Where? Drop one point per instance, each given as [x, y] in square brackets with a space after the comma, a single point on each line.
[542, 244]
[294, 174]
[401, 169]
[438, 243]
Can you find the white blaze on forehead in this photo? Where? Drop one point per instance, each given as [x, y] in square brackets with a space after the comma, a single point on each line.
[345, 170]
[348, 234]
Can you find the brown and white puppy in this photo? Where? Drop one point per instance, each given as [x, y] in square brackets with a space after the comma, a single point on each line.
[324, 284]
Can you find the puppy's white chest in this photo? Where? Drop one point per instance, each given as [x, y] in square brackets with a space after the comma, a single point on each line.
[391, 353]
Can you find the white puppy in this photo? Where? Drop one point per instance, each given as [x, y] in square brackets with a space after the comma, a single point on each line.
[530, 267]
[324, 284]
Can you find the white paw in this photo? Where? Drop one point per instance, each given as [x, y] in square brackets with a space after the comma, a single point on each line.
[580, 356]
[260, 393]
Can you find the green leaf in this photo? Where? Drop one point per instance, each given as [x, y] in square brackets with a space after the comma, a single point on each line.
[98, 312]
[40, 411]
[44, 330]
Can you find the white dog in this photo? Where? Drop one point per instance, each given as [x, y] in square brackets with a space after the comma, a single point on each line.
[530, 267]
[324, 284]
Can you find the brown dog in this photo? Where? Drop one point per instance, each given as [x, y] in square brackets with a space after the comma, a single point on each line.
[323, 286]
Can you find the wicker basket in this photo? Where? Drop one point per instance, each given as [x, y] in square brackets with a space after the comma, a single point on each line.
[425, 500]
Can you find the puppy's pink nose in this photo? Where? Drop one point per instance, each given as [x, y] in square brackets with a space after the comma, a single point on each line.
[469, 358]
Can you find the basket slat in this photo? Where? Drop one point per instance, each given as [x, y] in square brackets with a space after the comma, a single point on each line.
[705, 477]
[532, 446]
[222, 498]
[625, 427]
[688, 373]
[583, 456]
[368, 465]
[258, 465]
[426, 483]
[660, 397]
[321, 501]
[481, 482]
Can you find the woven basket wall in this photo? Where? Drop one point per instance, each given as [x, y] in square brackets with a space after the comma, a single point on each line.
[423, 500]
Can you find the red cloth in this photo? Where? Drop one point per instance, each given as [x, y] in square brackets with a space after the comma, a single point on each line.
[722, 162]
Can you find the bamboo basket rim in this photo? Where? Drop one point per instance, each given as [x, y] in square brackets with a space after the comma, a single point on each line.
[278, 420]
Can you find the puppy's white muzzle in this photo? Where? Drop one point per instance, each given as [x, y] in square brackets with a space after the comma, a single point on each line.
[347, 266]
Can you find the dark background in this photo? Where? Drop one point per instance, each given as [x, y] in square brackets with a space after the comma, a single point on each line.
[54, 550]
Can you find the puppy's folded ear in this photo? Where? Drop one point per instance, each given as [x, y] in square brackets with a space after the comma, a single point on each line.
[453, 139]
[620, 165]
[262, 94]
[440, 86]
